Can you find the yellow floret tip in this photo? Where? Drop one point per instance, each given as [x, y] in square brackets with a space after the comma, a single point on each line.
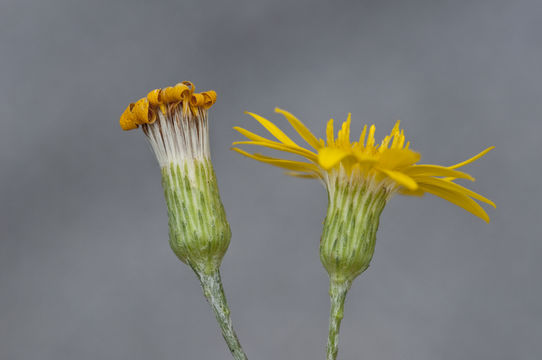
[144, 111]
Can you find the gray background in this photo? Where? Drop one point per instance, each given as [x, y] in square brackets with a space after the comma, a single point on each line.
[85, 267]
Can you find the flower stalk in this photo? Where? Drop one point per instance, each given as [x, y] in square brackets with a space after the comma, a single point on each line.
[337, 295]
[214, 293]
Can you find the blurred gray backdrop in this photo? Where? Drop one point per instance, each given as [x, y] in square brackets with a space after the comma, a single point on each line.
[85, 267]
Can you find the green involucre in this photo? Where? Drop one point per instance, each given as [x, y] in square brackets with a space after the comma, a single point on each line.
[199, 233]
[349, 234]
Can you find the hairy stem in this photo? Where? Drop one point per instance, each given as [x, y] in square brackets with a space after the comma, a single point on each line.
[337, 294]
[214, 293]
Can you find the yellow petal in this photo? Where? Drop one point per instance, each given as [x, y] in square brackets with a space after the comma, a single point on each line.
[329, 157]
[209, 98]
[127, 119]
[302, 130]
[154, 97]
[197, 100]
[250, 135]
[458, 199]
[273, 129]
[175, 94]
[282, 147]
[285, 164]
[417, 192]
[435, 170]
[303, 175]
[398, 158]
[451, 186]
[140, 111]
[401, 178]
[472, 159]
[364, 157]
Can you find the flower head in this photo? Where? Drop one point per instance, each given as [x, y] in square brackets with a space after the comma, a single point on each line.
[360, 177]
[387, 167]
[174, 119]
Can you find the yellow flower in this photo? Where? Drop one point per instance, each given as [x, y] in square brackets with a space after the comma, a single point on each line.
[175, 121]
[390, 166]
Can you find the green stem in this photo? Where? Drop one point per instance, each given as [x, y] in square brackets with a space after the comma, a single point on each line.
[214, 293]
[337, 294]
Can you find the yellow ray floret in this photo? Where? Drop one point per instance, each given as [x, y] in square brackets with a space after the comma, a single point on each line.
[144, 111]
[391, 163]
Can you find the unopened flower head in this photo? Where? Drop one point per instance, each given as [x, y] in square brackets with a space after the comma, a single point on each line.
[360, 177]
[174, 119]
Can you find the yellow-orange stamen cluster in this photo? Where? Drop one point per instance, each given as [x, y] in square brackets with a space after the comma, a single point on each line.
[144, 111]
